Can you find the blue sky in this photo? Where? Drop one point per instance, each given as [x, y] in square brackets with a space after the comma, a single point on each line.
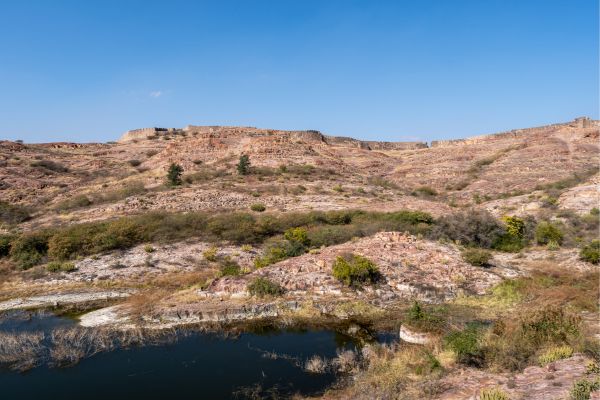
[372, 69]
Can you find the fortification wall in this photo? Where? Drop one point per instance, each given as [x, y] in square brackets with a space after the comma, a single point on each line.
[143, 133]
[517, 134]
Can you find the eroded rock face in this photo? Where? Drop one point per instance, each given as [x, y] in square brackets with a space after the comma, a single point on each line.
[410, 335]
[411, 268]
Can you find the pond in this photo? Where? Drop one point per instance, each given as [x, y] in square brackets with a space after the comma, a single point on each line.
[196, 366]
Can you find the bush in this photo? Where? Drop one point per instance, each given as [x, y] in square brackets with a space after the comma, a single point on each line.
[279, 251]
[515, 226]
[230, 268]
[583, 388]
[477, 257]
[262, 287]
[148, 248]
[298, 235]
[258, 207]
[210, 254]
[13, 214]
[243, 166]
[354, 270]
[493, 394]
[419, 318]
[174, 174]
[50, 165]
[29, 249]
[5, 244]
[76, 201]
[475, 228]
[591, 252]
[466, 345]
[426, 191]
[56, 266]
[555, 353]
[134, 163]
[546, 232]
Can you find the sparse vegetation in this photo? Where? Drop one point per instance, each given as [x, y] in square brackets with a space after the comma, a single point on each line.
[50, 165]
[583, 388]
[555, 353]
[493, 394]
[474, 228]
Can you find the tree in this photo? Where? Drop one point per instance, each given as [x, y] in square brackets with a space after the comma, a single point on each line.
[243, 166]
[174, 174]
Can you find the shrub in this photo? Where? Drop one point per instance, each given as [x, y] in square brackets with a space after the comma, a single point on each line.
[29, 249]
[174, 174]
[262, 287]
[553, 245]
[5, 244]
[515, 226]
[76, 201]
[425, 191]
[493, 394]
[50, 165]
[472, 228]
[591, 252]
[338, 188]
[56, 266]
[243, 166]
[13, 214]
[151, 153]
[148, 248]
[477, 257]
[419, 318]
[595, 211]
[230, 268]
[466, 345]
[134, 163]
[258, 207]
[355, 270]
[583, 388]
[210, 254]
[279, 251]
[555, 353]
[299, 235]
[546, 232]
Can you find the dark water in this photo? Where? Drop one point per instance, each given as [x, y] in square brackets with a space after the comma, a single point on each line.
[198, 366]
[39, 321]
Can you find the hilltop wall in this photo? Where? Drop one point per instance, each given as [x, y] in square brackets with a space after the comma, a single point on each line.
[581, 123]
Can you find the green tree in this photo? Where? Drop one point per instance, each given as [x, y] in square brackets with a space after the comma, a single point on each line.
[243, 166]
[174, 174]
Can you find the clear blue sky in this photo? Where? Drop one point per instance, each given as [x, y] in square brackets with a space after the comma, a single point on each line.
[372, 69]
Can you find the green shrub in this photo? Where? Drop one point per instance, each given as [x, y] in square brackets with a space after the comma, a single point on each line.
[13, 214]
[355, 271]
[546, 232]
[230, 268]
[425, 321]
[595, 211]
[476, 228]
[299, 235]
[258, 207]
[466, 345]
[508, 243]
[493, 394]
[148, 248]
[555, 353]
[262, 287]
[56, 266]
[515, 226]
[591, 252]
[5, 244]
[583, 388]
[476, 257]
[279, 251]
[243, 166]
[174, 174]
[29, 249]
